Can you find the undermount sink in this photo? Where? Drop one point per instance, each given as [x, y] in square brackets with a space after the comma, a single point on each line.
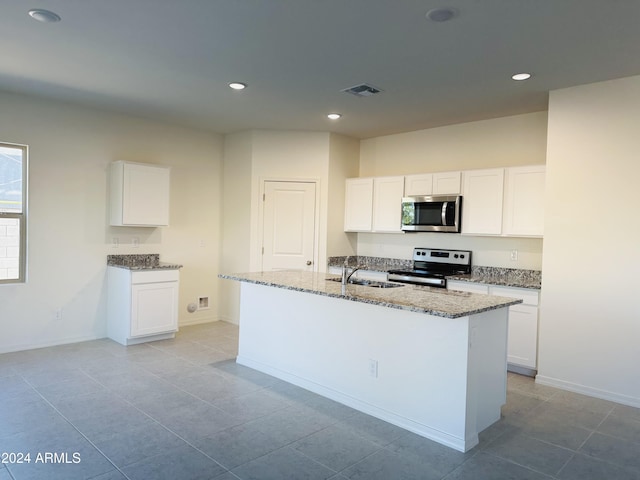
[369, 283]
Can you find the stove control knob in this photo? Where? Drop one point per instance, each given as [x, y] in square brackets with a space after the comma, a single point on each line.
[462, 255]
[455, 255]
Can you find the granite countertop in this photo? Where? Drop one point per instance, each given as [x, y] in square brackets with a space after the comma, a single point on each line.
[422, 299]
[507, 277]
[140, 262]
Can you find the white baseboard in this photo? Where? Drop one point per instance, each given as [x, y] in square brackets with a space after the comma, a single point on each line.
[590, 391]
[228, 319]
[456, 443]
[197, 321]
[54, 343]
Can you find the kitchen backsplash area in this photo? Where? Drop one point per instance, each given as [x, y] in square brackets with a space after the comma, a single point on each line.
[492, 251]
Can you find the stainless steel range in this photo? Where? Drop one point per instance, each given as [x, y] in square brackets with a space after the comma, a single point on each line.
[431, 267]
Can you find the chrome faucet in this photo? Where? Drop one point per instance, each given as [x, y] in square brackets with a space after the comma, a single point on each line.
[346, 275]
[345, 271]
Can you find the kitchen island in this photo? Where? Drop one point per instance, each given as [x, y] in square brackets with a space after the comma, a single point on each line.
[429, 360]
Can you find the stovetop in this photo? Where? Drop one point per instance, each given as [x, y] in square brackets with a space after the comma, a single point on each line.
[431, 266]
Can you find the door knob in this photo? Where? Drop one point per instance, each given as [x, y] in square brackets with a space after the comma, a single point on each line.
[309, 262]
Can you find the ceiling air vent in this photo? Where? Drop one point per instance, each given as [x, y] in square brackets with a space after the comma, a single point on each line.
[362, 90]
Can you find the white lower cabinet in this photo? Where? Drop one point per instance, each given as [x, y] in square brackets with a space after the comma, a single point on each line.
[522, 348]
[523, 336]
[142, 305]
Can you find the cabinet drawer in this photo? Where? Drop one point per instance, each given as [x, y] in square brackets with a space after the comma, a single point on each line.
[528, 296]
[468, 287]
[155, 276]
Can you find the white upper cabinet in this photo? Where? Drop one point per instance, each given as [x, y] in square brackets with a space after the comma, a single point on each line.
[446, 183]
[358, 211]
[524, 201]
[482, 198]
[441, 183]
[373, 204]
[497, 201]
[139, 195]
[387, 204]
[418, 185]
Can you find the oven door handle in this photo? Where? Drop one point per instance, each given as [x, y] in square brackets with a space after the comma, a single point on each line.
[443, 213]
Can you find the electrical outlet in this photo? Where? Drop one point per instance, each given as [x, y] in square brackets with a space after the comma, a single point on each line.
[57, 315]
[514, 255]
[115, 242]
[373, 368]
[135, 242]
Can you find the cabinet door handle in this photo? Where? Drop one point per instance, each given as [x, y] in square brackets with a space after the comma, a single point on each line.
[309, 262]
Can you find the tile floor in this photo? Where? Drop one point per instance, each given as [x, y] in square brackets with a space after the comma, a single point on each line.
[182, 409]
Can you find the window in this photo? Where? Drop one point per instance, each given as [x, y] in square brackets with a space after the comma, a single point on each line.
[13, 212]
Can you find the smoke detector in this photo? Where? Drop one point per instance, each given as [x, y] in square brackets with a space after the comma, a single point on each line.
[362, 90]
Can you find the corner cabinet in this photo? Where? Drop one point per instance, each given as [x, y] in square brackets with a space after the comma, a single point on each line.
[139, 195]
[522, 343]
[142, 305]
[373, 204]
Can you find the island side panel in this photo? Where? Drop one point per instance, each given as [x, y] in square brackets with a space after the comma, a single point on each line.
[487, 367]
[327, 344]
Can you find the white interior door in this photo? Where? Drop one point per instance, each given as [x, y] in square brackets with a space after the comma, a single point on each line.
[289, 215]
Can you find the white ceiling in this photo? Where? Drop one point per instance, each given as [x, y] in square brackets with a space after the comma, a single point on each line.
[172, 59]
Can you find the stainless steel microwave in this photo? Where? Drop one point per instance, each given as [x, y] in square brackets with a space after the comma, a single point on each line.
[438, 213]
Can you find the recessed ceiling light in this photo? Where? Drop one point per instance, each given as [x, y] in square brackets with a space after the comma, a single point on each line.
[443, 14]
[238, 85]
[44, 16]
[334, 116]
[521, 76]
